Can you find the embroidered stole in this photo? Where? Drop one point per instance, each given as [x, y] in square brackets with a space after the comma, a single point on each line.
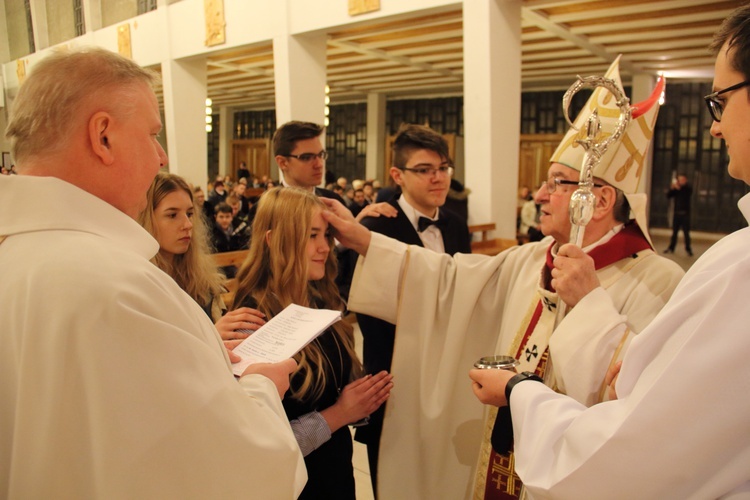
[496, 477]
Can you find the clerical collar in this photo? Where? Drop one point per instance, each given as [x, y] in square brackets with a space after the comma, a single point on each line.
[604, 239]
[621, 242]
[412, 213]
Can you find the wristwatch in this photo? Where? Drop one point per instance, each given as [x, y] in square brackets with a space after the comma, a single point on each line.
[517, 379]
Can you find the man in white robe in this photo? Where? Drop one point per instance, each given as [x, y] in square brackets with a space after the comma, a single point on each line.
[449, 312]
[113, 381]
[680, 428]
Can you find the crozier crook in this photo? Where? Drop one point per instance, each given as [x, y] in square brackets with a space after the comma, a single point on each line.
[583, 200]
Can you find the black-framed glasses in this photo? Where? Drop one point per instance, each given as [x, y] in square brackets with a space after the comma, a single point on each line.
[552, 183]
[716, 105]
[308, 157]
[428, 172]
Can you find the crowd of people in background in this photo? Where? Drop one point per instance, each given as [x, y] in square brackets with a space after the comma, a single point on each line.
[226, 207]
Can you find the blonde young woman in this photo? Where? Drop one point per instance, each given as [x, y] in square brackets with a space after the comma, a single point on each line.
[292, 261]
[184, 253]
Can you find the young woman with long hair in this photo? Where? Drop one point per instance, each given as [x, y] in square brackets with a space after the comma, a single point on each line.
[291, 261]
[184, 253]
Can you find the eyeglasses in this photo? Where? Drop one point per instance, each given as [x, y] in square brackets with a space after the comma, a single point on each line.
[308, 157]
[553, 182]
[716, 105]
[428, 172]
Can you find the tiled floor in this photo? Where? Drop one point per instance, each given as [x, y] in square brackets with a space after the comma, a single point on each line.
[660, 237]
[700, 242]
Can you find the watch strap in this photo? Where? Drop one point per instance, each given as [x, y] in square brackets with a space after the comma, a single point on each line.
[518, 379]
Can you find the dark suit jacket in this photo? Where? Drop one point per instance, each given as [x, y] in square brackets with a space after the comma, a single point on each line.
[378, 334]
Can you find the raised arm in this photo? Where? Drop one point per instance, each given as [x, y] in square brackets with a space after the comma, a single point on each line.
[345, 227]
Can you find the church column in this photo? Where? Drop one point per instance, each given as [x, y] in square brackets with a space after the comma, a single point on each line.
[375, 163]
[39, 23]
[92, 15]
[643, 85]
[492, 110]
[4, 43]
[185, 118]
[300, 78]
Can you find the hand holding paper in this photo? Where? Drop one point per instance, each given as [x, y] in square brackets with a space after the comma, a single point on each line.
[278, 373]
[284, 335]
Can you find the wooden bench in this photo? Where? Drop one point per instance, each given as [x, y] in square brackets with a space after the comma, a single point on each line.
[486, 245]
[235, 258]
[225, 259]
[254, 193]
[482, 228]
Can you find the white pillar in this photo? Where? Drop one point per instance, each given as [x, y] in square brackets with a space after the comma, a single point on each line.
[39, 24]
[643, 85]
[300, 77]
[300, 80]
[4, 41]
[492, 110]
[185, 118]
[92, 15]
[375, 163]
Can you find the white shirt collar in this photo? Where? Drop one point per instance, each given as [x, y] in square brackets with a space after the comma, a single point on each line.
[412, 213]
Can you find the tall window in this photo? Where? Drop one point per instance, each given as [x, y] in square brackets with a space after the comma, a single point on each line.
[78, 17]
[146, 6]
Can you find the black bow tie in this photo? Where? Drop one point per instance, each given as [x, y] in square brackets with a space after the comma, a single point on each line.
[423, 223]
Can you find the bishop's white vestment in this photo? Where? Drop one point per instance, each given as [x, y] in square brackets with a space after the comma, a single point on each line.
[449, 312]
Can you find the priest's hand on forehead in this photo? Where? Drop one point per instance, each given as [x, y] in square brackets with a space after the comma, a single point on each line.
[346, 229]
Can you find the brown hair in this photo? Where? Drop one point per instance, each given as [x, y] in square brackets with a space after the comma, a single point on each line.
[286, 137]
[735, 31]
[275, 275]
[195, 270]
[411, 138]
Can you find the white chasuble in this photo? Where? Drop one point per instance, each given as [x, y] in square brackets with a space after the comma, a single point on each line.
[449, 312]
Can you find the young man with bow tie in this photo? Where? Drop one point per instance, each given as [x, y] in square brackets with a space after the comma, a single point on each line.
[422, 170]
